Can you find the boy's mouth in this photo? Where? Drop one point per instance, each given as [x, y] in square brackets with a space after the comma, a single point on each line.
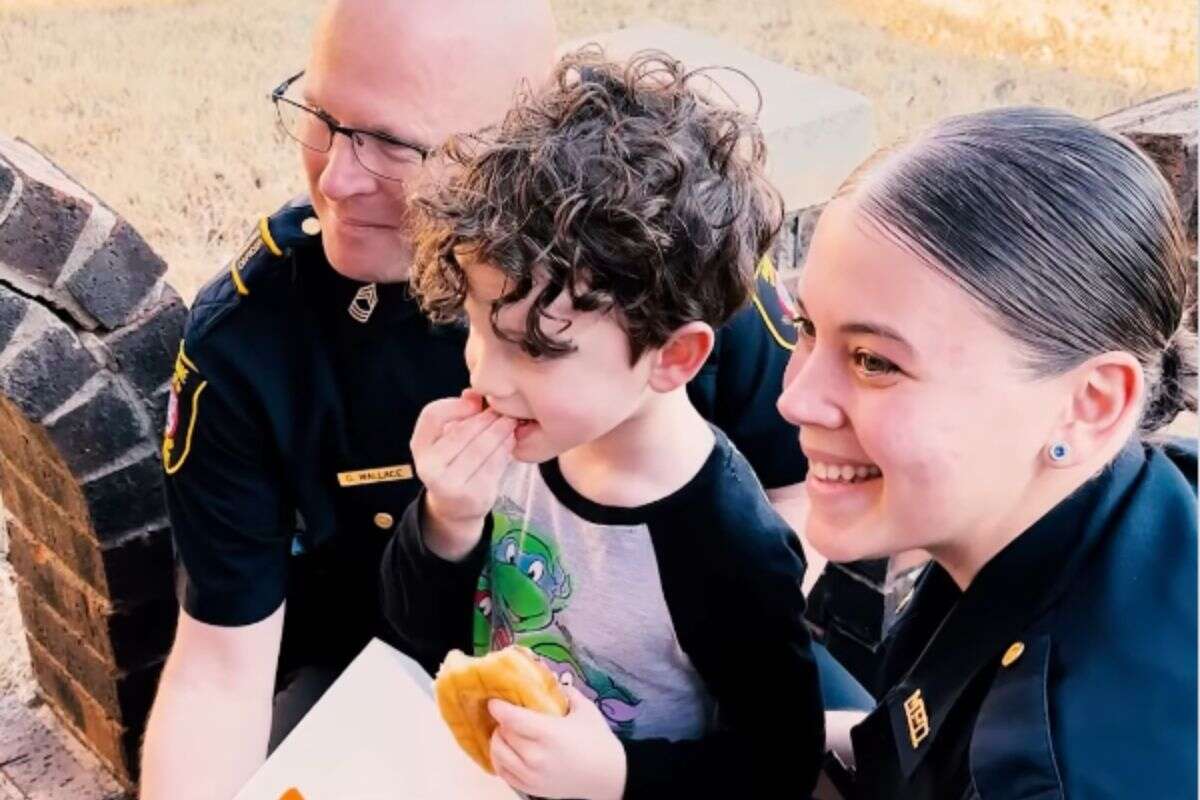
[524, 428]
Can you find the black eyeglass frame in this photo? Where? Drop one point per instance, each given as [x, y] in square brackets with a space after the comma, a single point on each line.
[335, 127]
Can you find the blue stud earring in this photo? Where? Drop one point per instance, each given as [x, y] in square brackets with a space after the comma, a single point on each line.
[1058, 452]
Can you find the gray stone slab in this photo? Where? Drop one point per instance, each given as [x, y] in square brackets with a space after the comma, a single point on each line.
[816, 131]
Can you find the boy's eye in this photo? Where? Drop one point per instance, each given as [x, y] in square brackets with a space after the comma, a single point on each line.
[872, 365]
[804, 326]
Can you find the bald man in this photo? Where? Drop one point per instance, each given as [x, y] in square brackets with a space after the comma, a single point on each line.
[305, 364]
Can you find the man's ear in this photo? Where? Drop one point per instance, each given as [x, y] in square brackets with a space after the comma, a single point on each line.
[1103, 406]
[678, 361]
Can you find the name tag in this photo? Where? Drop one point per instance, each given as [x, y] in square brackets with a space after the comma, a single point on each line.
[399, 472]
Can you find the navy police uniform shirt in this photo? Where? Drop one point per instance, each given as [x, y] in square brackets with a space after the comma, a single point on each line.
[1067, 669]
[292, 403]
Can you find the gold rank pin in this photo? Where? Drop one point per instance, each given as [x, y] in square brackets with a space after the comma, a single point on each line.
[918, 719]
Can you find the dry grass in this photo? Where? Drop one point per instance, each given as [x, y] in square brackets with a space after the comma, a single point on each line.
[159, 107]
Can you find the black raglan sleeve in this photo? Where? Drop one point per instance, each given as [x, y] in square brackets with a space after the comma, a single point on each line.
[427, 600]
[732, 574]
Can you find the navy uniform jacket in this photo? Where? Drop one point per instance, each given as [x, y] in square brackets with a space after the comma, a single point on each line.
[1068, 667]
[287, 445]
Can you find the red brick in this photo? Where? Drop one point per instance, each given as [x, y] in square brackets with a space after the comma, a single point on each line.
[124, 696]
[116, 744]
[127, 637]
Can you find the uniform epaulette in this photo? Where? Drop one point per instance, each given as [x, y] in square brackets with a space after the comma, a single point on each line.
[273, 240]
[294, 225]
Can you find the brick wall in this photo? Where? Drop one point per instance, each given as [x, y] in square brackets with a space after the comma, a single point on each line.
[88, 332]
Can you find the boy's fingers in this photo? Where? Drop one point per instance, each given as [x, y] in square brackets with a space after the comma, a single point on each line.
[577, 700]
[468, 465]
[520, 722]
[458, 435]
[493, 467]
[475, 397]
[436, 415]
[506, 761]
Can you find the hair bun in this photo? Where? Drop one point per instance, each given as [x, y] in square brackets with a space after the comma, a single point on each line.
[1175, 389]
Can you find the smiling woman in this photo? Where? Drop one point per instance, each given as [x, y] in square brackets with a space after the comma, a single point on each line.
[992, 321]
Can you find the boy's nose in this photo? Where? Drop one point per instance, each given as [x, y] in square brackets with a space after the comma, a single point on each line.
[488, 375]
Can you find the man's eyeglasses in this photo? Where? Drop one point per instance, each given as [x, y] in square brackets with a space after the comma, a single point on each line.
[380, 154]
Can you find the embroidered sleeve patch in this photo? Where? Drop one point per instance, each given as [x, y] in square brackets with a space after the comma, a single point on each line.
[775, 305]
[183, 405]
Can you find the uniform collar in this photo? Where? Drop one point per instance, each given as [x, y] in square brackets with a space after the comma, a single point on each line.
[979, 625]
[356, 304]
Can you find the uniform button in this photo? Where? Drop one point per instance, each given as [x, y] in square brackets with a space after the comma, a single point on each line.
[384, 521]
[1012, 654]
[311, 226]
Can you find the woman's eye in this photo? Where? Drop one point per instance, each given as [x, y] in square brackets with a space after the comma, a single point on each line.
[804, 326]
[872, 365]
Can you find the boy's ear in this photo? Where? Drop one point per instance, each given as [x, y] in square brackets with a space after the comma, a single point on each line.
[678, 361]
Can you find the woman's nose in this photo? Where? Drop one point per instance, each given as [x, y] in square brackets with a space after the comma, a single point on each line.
[810, 396]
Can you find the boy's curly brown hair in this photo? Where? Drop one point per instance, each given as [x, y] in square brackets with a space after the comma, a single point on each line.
[619, 184]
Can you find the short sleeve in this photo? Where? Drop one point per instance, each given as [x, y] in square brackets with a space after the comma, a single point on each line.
[224, 494]
[739, 387]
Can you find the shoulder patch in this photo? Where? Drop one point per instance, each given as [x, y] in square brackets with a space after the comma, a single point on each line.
[183, 406]
[775, 305]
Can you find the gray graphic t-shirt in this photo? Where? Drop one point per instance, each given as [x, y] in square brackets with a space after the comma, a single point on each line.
[586, 598]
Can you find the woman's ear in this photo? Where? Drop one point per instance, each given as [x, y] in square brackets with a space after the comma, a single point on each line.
[1102, 409]
[678, 361]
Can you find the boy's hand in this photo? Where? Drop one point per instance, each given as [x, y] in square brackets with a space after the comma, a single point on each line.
[460, 451]
[545, 756]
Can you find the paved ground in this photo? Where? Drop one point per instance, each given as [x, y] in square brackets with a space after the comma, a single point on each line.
[39, 760]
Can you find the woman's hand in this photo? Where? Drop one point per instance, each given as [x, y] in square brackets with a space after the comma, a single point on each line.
[460, 450]
[546, 756]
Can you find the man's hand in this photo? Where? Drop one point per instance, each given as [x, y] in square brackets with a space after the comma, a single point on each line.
[460, 450]
[546, 756]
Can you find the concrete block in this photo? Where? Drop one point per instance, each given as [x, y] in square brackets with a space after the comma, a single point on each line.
[816, 131]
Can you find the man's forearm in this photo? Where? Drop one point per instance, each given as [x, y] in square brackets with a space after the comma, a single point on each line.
[203, 741]
[211, 720]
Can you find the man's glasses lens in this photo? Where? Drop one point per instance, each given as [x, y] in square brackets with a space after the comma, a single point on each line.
[382, 155]
[303, 125]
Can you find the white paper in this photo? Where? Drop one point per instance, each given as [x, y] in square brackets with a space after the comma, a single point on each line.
[375, 735]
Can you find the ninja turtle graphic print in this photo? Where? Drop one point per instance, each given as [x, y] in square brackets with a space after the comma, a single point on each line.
[586, 598]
